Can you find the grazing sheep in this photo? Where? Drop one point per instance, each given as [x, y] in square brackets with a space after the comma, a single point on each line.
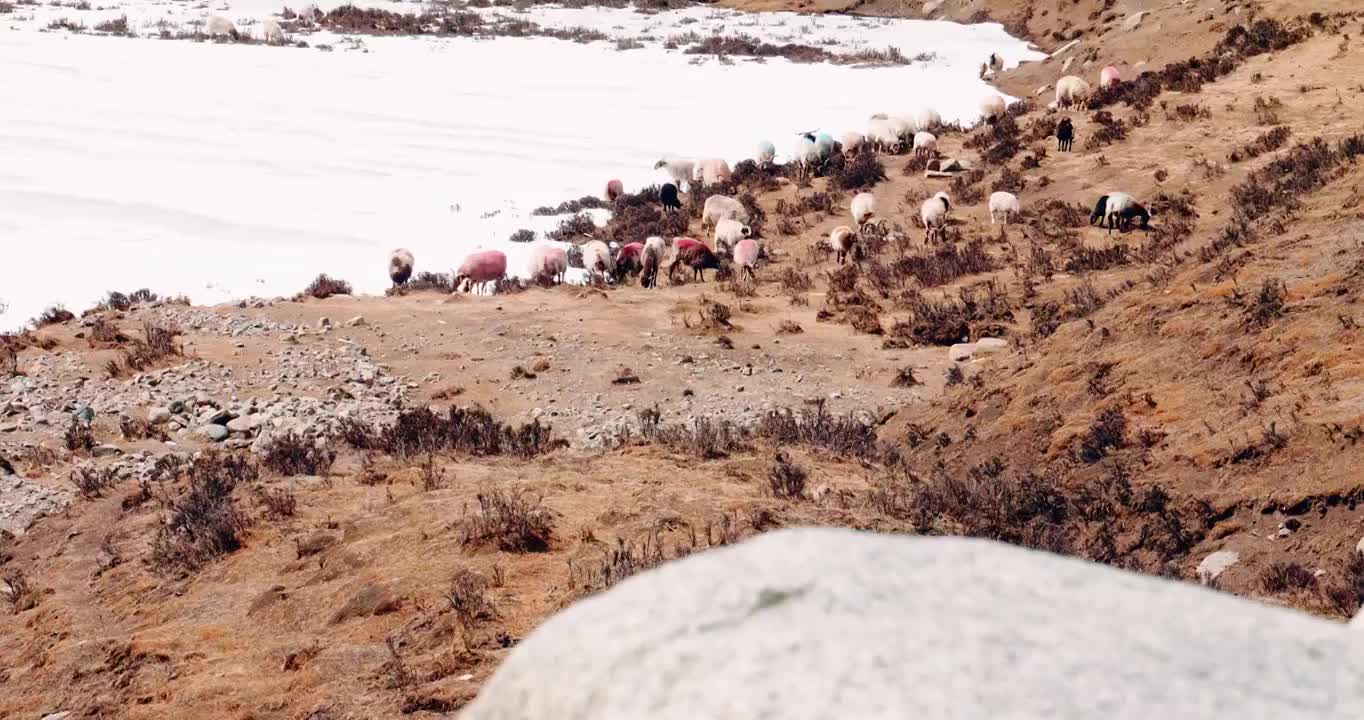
[1117, 210]
[746, 254]
[925, 144]
[863, 208]
[805, 155]
[629, 260]
[841, 241]
[1065, 135]
[722, 207]
[400, 263]
[924, 119]
[548, 263]
[1004, 204]
[824, 145]
[852, 143]
[667, 197]
[992, 108]
[649, 260]
[883, 135]
[679, 169]
[992, 65]
[614, 189]
[597, 259]
[271, 32]
[480, 268]
[217, 26]
[767, 152]
[728, 233]
[1071, 91]
[695, 255]
[933, 215]
[310, 13]
[711, 171]
[1109, 77]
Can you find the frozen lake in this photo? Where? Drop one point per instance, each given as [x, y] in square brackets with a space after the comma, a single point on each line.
[225, 171]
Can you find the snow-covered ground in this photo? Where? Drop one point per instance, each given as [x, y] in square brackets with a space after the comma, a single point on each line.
[223, 171]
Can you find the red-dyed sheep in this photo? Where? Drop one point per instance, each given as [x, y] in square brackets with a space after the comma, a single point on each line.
[480, 268]
[400, 264]
[614, 189]
[548, 263]
[629, 260]
[746, 254]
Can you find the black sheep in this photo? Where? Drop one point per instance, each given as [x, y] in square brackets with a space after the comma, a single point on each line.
[1065, 135]
[1100, 209]
[667, 195]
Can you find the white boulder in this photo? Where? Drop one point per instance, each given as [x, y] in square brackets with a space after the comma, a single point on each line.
[823, 623]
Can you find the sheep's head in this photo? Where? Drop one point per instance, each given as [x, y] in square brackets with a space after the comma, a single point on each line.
[660, 164]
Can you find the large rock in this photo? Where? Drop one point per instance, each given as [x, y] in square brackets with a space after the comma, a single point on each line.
[1215, 564]
[838, 624]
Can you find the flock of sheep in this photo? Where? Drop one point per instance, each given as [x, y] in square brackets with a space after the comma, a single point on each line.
[727, 217]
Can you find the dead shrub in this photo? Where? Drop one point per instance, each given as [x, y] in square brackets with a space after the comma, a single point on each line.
[277, 503]
[323, 287]
[864, 320]
[91, 482]
[786, 479]
[1266, 142]
[79, 437]
[17, 591]
[54, 315]
[1267, 305]
[116, 26]
[863, 171]
[904, 377]
[705, 438]
[512, 520]
[789, 327]
[157, 344]
[625, 376]
[204, 523]
[469, 600]
[425, 281]
[1105, 434]
[292, 454]
[1282, 577]
[816, 427]
[420, 431]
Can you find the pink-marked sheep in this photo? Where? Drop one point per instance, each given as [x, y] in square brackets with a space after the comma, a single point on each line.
[711, 171]
[598, 260]
[728, 233]
[852, 143]
[614, 189]
[629, 260]
[925, 144]
[1004, 205]
[650, 258]
[548, 263]
[1109, 77]
[693, 254]
[400, 263]
[933, 215]
[217, 26]
[746, 254]
[992, 108]
[480, 268]
[722, 207]
[842, 239]
[678, 169]
[1071, 91]
[863, 208]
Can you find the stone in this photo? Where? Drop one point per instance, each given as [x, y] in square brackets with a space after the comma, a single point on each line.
[1215, 564]
[215, 433]
[1359, 546]
[159, 415]
[822, 623]
[102, 451]
[245, 424]
[961, 351]
[357, 321]
[324, 323]
[1133, 21]
[63, 715]
[369, 601]
[990, 346]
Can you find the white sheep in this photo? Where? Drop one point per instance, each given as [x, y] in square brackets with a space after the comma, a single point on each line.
[863, 208]
[842, 239]
[881, 133]
[679, 169]
[1117, 209]
[933, 215]
[271, 32]
[992, 108]
[1006, 205]
[598, 259]
[925, 143]
[852, 143]
[992, 65]
[1109, 77]
[217, 26]
[711, 171]
[400, 263]
[650, 259]
[924, 119]
[728, 233]
[1071, 91]
[309, 13]
[805, 155]
[721, 207]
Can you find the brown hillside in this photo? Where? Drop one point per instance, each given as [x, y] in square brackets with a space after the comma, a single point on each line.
[1164, 395]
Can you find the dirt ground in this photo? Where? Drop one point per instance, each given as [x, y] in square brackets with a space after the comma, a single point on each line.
[1192, 392]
